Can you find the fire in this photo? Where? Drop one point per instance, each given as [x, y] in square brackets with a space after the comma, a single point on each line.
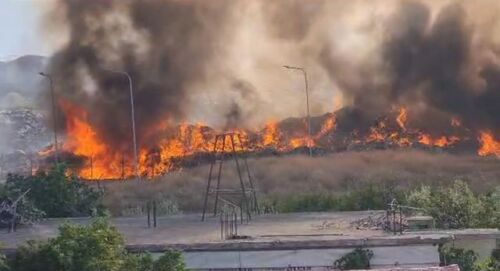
[489, 145]
[180, 143]
[375, 135]
[443, 141]
[101, 161]
[328, 126]
[271, 135]
[83, 140]
[402, 118]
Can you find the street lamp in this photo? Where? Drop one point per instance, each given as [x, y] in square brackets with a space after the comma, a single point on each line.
[307, 103]
[134, 138]
[54, 118]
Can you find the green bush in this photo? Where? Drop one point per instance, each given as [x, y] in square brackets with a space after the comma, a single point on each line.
[365, 197]
[170, 261]
[465, 259]
[307, 203]
[98, 246]
[77, 248]
[490, 264]
[4, 266]
[138, 262]
[457, 206]
[359, 258]
[57, 194]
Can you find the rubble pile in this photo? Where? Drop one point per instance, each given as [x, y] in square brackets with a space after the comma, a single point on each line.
[380, 222]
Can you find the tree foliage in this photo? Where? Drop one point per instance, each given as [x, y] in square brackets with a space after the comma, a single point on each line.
[465, 259]
[56, 194]
[359, 258]
[98, 246]
[457, 206]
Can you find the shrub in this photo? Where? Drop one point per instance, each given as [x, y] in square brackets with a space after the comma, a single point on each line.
[465, 259]
[457, 206]
[170, 261]
[98, 246]
[138, 262]
[57, 194]
[4, 266]
[366, 197]
[359, 258]
[26, 211]
[490, 264]
[77, 248]
[307, 203]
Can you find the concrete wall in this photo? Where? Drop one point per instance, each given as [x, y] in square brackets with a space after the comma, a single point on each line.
[482, 246]
[405, 256]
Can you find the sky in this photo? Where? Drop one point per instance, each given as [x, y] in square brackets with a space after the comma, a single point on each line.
[20, 30]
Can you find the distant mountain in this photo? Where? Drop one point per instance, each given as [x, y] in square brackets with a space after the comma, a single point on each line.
[19, 80]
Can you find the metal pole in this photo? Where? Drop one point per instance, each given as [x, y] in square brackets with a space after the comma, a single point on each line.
[54, 118]
[307, 104]
[308, 113]
[132, 111]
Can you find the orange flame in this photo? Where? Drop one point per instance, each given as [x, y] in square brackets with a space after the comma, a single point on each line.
[402, 118]
[187, 140]
[84, 141]
[489, 145]
[272, 136]
[443, 141]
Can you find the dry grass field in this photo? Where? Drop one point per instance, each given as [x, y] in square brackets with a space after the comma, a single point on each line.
[297, 174]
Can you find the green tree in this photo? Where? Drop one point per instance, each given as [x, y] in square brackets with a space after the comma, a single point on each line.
[57, 194]
[457, 206]
[77, 248]
[96, 247]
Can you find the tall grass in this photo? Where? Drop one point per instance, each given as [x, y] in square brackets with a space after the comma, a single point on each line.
[343, 181]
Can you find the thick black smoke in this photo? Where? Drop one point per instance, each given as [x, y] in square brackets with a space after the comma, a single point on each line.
[163, 45]
[429, 65]
[430, 56]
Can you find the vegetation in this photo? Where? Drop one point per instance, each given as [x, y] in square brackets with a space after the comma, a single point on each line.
[98, 246]
[366, 197]
[55, 194]
[4, 266]
[467, 260]
[456, 206]
[490, 264]
[359, 258]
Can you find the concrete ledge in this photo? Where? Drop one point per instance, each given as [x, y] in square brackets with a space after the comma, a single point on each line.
[239, 245]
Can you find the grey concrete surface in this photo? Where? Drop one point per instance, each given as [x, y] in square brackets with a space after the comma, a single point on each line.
[189, 229]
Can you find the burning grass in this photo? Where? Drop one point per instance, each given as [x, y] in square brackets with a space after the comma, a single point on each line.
[177, 147]
[293, 175]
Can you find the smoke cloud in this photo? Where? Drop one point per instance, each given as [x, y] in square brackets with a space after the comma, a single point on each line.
[221, 61]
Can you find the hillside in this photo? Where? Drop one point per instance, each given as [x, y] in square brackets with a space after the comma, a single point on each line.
[20, 82]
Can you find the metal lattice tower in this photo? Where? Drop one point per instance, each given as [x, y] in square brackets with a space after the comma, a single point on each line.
[227, 146]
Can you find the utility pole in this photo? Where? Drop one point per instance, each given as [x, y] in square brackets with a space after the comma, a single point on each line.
[54, 117]
[307, 104]
[132, 113]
